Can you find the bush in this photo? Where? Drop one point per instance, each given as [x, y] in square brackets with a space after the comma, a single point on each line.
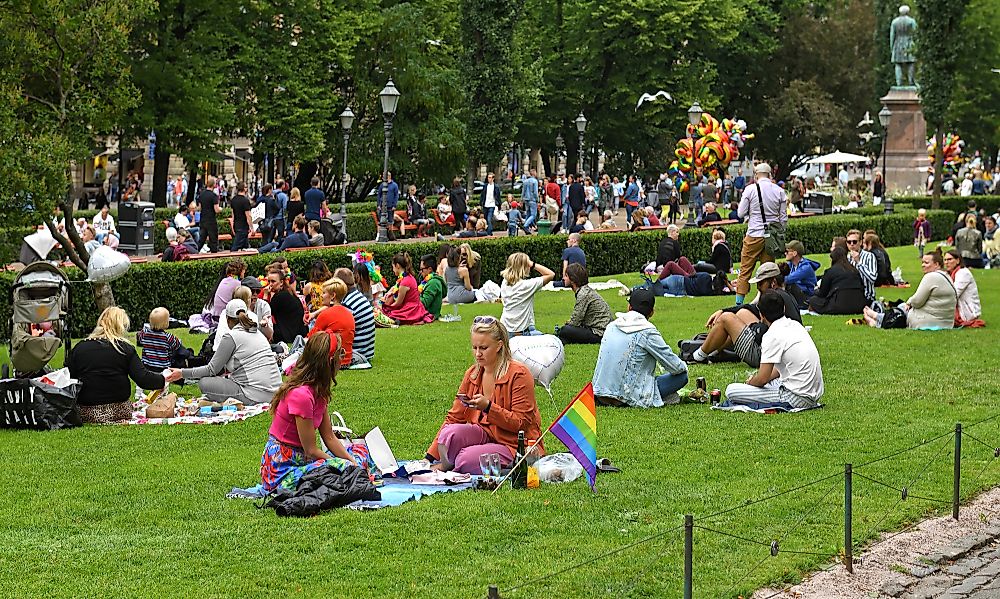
[955, 204]
[183, 287]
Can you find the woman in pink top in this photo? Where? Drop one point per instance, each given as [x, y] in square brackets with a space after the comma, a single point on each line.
[300, 409]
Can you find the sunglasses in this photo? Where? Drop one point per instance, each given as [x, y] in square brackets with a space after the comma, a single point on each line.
[853, 242]
[484, 320]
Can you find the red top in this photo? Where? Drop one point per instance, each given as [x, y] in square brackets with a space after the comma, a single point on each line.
[552, 190]
[337, 320]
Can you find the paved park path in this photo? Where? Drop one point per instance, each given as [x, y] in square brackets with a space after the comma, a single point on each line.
[938, 559]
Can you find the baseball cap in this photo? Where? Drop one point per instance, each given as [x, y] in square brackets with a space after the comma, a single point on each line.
[252, 283]
[642, 301]
[767, 270]
[763, 167]
[796, 246]
[234, 307]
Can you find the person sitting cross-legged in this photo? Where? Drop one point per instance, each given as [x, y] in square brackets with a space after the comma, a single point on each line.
[802, 270]
[495, 400]
[790, 371]
[625, 374]
[740, 327]
[591, 314]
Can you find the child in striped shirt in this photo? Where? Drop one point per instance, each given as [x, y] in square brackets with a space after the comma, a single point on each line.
[158, 346]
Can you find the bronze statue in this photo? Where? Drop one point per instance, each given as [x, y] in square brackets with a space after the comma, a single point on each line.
[901, 34]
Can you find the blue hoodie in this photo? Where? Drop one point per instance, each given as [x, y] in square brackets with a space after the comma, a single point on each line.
[803, 275]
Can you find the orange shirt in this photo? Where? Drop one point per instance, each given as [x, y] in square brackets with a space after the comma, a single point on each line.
[513, 408]
[337, 320]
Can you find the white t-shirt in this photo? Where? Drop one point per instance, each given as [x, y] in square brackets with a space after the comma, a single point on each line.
[619, 189]
[518, 304]
[103, 224]
[181, 221]
[789, 347]
[490, 200]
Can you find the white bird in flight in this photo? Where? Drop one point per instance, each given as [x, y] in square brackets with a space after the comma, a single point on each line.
[867, 136]
[867, 121]
[652, 98]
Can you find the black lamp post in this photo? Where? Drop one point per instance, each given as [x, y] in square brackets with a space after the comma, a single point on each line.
[884, 118]
[389, 97]
[581, 128]
[694, 118]
[346, 121]
[560, 147]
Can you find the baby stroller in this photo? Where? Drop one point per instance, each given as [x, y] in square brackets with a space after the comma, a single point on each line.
[40, 301]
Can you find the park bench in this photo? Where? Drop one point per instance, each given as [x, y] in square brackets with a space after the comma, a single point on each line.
[393, 226]
[720, 223]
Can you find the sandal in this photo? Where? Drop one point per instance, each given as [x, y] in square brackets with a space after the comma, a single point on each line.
[605, 465]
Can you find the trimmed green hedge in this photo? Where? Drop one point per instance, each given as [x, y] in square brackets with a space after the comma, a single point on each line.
[182, 287]
[956, 204]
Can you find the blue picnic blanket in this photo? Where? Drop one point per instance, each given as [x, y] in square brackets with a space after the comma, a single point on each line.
[397, 491]
[762, 407]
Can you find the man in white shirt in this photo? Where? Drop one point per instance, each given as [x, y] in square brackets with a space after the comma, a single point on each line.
[844, 180]
[790, 373]
[966, 189]
[489, 201]
[184, 220]
[761, 199]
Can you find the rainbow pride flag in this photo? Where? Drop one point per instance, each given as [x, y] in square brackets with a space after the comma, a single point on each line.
[576, 427]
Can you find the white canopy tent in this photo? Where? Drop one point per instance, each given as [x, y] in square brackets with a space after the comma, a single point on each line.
[838, 157]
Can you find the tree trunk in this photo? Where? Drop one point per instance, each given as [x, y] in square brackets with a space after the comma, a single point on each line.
[103, 296]
[470, 176]
[161, 166]
[307, 170]
[192, 178]
[547, 166]
[77, 252]
[938, 167]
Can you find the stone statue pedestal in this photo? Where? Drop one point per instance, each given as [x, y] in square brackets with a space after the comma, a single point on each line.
[906, 146]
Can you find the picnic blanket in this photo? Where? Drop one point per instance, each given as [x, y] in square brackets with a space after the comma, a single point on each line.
[394, 490]
[595, 285]
[225, 417]
[762, 407]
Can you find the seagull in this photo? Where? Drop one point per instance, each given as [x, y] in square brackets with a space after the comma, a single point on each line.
[434, 42]
[867, 121]
[995, 70]
[867, 136]
[652, 97]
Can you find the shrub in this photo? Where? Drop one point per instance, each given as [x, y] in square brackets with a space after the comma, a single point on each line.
[955, 204]
[182, 287]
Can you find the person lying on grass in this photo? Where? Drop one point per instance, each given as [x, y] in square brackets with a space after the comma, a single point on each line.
[300, 411]
[495, 400]
[790, 370]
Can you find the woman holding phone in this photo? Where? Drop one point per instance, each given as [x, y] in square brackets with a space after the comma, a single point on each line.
[495, 400]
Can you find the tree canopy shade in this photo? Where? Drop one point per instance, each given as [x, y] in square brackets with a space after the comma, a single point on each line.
[938, 48]
[66, 77]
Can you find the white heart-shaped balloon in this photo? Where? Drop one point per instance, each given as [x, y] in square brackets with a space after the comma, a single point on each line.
[542, 354]
[106, 265]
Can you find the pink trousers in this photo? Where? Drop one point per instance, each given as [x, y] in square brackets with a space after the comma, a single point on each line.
[465, 443]
[682, 266]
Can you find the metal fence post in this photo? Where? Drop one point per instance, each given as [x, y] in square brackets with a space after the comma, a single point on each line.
[494, 592]
[956, 492]
[848, 534]
[688, 554]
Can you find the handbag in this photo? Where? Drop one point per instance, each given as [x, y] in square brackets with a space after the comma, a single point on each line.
[774, 232]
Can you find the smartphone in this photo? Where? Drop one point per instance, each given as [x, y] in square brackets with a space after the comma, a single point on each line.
[462, 397]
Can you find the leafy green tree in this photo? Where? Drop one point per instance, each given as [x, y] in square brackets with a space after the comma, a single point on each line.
[938, 48]
[182, 60]
[65, 76]
[974, 111]
[492, 105]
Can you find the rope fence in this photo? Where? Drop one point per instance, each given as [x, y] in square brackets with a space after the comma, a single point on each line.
[842, 479]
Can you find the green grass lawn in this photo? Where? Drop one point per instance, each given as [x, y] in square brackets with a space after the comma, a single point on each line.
[140, 511]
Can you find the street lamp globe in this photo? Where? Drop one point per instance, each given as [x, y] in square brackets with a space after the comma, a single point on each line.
[389, 96]
[884, 117]
[581, 123]
[347, 119]
[694, 114]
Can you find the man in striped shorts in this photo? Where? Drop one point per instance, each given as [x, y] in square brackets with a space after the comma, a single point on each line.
[740, 327]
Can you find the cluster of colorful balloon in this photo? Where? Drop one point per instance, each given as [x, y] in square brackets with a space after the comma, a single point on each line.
[708, 147]
[952, 151]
